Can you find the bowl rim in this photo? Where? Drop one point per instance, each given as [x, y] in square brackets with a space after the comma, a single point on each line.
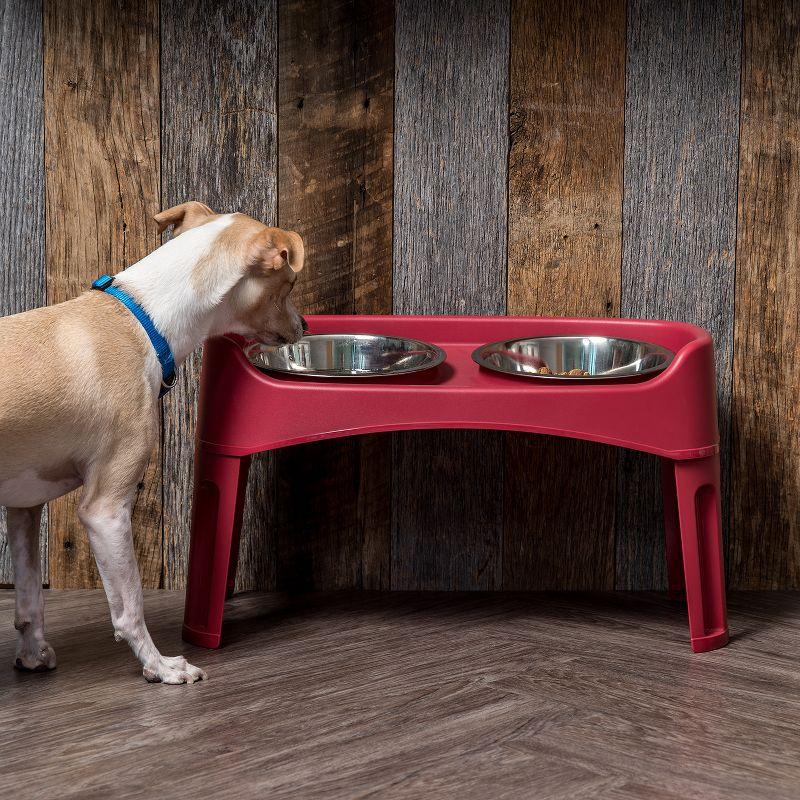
[478, 358]
[439, 357]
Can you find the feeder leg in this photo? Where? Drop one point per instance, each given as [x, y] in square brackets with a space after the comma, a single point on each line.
[672, 531]
[219, 489]
[241, 493]
[699, 515]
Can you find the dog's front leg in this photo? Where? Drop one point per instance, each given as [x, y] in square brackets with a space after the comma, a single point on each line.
[108, 523]
[33, 652]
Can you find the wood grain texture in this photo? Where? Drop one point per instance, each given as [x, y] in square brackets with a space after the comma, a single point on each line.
[99, 69]
[22, 275]
[22, 272]
[102, 187]
[764, 546]
[335, 187]
[458, 696]
[219, 99]
[451, 152]
[679, 222]
[564, 250]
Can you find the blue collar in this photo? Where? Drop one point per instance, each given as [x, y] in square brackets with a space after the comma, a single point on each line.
[160, 344]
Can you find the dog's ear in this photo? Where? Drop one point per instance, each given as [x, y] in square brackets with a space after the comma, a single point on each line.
[183, 217]
[275, 247]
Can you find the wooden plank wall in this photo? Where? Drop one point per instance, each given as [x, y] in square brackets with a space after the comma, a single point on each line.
[679, 222]
[220, 144]
[564, 250]
[336, 65]
[102, 148]
[451, 153]
[589, 157]
[764, 524]
[22, 274]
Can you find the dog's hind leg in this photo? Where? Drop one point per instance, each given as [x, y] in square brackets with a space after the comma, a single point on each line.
[33, 652]
[106, 514]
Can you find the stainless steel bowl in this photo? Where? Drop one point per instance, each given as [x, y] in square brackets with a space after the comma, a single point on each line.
[597, 357]
[347, 355]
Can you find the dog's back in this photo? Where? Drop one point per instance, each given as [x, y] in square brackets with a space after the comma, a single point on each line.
[62, 383]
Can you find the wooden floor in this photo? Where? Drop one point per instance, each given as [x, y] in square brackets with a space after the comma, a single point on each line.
[412, 696]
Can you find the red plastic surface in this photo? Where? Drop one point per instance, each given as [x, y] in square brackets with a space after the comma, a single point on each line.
[673, 415]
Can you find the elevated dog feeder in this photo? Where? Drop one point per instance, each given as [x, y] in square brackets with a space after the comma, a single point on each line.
[673, 415]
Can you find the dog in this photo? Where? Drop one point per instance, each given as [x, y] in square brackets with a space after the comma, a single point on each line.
[79, 400]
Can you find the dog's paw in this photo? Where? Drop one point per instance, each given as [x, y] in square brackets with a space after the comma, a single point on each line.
[40, 658]
[173, 670]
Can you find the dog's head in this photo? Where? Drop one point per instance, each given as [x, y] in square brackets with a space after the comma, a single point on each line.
[249, 271]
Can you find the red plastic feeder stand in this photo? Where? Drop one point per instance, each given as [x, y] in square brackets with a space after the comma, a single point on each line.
[673, 415]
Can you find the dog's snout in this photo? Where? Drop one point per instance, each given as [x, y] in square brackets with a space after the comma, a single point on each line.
[304, 323]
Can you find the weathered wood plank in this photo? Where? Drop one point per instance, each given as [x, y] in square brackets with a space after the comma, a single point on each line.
[218, 93]
[679, 221]
[764, 545]
[564, 250]
[451, 150]
[101, 102]
[335, 187]
[22, 274]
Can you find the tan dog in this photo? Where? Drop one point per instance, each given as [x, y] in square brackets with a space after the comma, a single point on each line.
[79, 400]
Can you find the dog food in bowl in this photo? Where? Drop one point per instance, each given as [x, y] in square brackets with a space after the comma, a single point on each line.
[347, 355]
[574, 358]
